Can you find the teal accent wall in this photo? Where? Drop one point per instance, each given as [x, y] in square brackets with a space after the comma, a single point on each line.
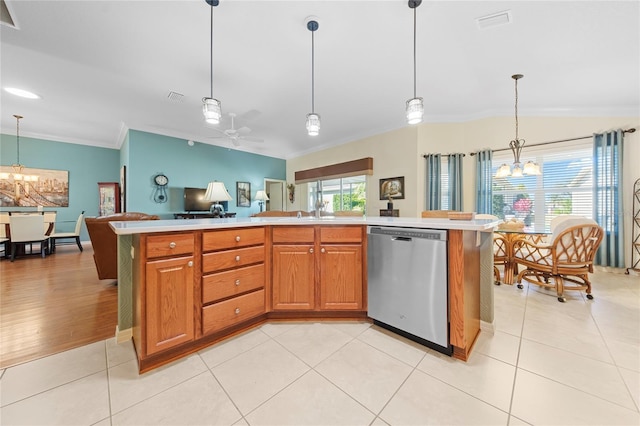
[86, 166]
[194, 166]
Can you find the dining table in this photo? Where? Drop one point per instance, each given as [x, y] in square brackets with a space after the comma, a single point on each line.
[513, 234]
[5, 232]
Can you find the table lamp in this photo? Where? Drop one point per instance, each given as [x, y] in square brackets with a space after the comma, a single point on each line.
[216, 192]
[261, 197]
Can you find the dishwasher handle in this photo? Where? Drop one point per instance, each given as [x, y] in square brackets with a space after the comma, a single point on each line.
[403, 239]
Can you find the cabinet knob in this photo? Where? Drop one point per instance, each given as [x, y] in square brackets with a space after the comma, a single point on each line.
[238, 238]
[172, 245]
[190, 264]
[237, 258]
[237, 282]
[322, 250]
[310, 250]
[237, 311]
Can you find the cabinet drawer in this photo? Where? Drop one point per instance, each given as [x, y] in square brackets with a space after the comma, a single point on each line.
[229, 283]
[228, 259]
[229, 312]
[293, 234]
[232, 238]
[169, 245]
[341, 234]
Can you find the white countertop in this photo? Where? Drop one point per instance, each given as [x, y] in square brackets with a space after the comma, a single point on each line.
[151, 226]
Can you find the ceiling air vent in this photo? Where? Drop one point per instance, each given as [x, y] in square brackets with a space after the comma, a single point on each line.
[494, 20]
[175, 97]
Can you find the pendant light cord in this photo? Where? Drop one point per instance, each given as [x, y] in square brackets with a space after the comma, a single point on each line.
[211, 52]
[313, 84]
[18, 137]
[516, 109]
[414, 51]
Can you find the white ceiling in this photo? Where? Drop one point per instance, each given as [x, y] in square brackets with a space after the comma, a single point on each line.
[103, 67]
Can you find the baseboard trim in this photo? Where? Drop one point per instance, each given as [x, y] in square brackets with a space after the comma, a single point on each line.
[123, 335]
[489, 327]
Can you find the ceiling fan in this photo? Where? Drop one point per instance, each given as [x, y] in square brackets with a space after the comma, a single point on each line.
[236, 135]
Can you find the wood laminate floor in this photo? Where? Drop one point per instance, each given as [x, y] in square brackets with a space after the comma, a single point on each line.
[53, 304]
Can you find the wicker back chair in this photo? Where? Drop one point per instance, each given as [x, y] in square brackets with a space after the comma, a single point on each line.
[567, 258]
[500, 249]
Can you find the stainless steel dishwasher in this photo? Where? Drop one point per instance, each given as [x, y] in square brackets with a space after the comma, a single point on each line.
[407, 283]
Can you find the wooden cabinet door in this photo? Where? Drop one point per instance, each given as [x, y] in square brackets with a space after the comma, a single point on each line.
[169, 303]
[341, 277]
[293, 277]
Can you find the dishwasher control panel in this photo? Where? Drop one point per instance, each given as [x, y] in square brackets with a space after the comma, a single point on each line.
[429, 234]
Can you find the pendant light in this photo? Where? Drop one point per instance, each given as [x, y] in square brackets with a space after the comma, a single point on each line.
[415, 107]
[516, 145]
[211, 107]
[313, 119]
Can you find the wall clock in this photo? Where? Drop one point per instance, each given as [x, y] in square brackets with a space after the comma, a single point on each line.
[161, 181]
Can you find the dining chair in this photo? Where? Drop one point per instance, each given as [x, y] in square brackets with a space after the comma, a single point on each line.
[53, 238]
[567, 258]
[49, 222]
[27, 229]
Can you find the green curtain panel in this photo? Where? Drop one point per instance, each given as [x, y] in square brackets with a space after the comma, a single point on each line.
[607, 196]
[455, 181]
[433, 182]
[484, 181]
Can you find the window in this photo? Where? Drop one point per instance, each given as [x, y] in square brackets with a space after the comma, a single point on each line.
[444, 183]
[564, 187]
[339, 194]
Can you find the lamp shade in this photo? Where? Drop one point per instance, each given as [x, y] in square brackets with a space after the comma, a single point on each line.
[414, 110]
[262, 196]
[313, 124]
[212, 110]
[216, 191]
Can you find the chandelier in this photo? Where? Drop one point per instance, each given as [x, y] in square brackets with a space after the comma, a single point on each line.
[530, 168]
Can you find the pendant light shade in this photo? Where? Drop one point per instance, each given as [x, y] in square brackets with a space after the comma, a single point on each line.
[211, 107]
[313, 124]
[415, 107]
[313, 119]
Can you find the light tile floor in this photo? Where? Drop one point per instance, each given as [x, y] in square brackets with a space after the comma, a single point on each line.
[546, 363]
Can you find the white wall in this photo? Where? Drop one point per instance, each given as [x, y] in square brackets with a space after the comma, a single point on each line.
[393, 155]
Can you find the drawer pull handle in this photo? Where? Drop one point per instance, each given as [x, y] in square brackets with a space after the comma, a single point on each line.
[237, 311]
[172, 245]
[322, 250]
[237, 282]
[310, 250]
[238, 238]
[190, 264]
[237, 258]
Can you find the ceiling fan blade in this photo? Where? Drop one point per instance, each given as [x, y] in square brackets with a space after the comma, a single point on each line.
[251, 139]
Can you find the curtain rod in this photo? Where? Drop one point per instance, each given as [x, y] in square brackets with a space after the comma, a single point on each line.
[631, 130]
[426, 155]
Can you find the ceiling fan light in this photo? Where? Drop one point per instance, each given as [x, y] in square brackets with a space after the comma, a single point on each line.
[212, 110]
[503, 171]
[414, 110]
[313, 124]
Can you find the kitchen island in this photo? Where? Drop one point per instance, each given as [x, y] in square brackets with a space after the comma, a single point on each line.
[183, 285]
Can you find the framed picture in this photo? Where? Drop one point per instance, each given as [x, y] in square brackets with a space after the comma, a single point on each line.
[243, 194]
[34, 187]
[392, 188]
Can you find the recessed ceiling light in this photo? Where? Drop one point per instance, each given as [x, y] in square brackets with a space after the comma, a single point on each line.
[22, 93]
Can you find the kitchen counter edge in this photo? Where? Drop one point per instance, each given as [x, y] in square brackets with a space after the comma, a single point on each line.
[172, 225]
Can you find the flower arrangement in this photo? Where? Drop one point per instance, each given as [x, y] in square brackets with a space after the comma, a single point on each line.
[523, 205]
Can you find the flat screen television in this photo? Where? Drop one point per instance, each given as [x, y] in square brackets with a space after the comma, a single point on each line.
[193, 200]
